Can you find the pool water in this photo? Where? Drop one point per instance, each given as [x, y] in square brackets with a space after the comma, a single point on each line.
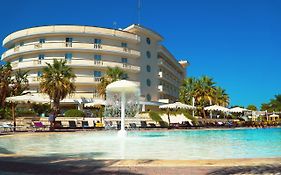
[165, 145]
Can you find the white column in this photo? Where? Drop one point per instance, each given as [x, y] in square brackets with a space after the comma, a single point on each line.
[122, 132]
[193, 103]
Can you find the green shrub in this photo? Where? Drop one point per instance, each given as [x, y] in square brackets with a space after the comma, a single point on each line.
[155, 116]
[25, 112]
[74, 113]
[5, 113]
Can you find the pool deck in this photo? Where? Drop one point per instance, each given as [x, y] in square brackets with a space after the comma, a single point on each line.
[15, 164]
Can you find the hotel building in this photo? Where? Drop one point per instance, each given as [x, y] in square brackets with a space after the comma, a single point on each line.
[90, 50]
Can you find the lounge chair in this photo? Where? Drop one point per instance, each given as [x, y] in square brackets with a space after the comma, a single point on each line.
[133, 125]
[38, 126]
[72, 124]
[152, 125]
[7, 127]
[143, 124]
[85, 124]
[58, 125]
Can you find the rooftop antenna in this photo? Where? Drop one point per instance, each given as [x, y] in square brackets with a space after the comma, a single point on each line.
[139, 11]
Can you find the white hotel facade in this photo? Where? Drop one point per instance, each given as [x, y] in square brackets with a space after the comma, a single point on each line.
[90, 50]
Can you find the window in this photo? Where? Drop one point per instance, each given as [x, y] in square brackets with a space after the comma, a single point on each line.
[124, 44]
[148, 40]
[148, 97]
[124, 76]
[42, 40]
[41, 57]
[39, 74]
[148, 54]
[97, 73]
[20, 59]
[148, 68]
[97, 57]
[148, 82]
[68, 56]
[97, 41]
[124, 60]
[68, 42]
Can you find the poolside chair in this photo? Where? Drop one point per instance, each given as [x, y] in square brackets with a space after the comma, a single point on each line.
[152, 125]
[85, 124]
[133, 125]
[72, 124]
[37, 125]
[143, 124]
[7, 127]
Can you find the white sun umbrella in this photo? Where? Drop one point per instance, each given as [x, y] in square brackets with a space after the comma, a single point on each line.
[28, 98]
[96, 102]
[238, 110]
[216, 108]
[176, 105]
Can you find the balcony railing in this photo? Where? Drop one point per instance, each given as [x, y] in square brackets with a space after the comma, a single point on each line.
[69, 47]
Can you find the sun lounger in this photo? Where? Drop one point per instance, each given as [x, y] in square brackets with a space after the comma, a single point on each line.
[38, 126]
[133, 125]
[7, 127]
[152, 125]
[143, 124]
[72, 124]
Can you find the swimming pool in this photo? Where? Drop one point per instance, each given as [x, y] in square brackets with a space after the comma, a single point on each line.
[165, 145]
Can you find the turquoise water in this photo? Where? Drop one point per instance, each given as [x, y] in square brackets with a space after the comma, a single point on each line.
[167, 145]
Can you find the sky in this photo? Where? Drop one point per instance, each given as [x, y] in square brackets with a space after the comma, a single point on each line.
[236, 42]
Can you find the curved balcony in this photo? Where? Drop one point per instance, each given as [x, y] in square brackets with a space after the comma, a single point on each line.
[69, 47]
[81, 80]
[70, 30]
[77, 63]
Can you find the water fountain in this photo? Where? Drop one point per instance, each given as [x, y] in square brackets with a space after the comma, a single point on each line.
[122, 98]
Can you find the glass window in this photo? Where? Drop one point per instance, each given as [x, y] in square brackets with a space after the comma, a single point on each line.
[98, 57]
[124, 76]
[148, 82]
[97, 41]
[39, 74]
[20, 59]
[97, 73]
[148, 68]
[148, 54]
[124, 45]
[148, 40]
[68, 40]
[42, 40]
[124, 60]
[41, 57]
[68, 56]
[148, 97]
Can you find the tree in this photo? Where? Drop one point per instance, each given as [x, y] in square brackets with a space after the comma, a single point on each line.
[204, 91]
[221, 98]
[56, 81]
[252, 108]
[5, 81]
[20, 83]
[111, 75]
[273, 105]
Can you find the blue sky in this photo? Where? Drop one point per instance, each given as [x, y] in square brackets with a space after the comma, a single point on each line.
[237, 42]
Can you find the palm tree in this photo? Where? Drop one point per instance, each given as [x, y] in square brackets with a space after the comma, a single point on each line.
[187, 90]
[56, 82]
[204, 93]
[111, 75]
[20, 83]
[221, 97]
[5, 81]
